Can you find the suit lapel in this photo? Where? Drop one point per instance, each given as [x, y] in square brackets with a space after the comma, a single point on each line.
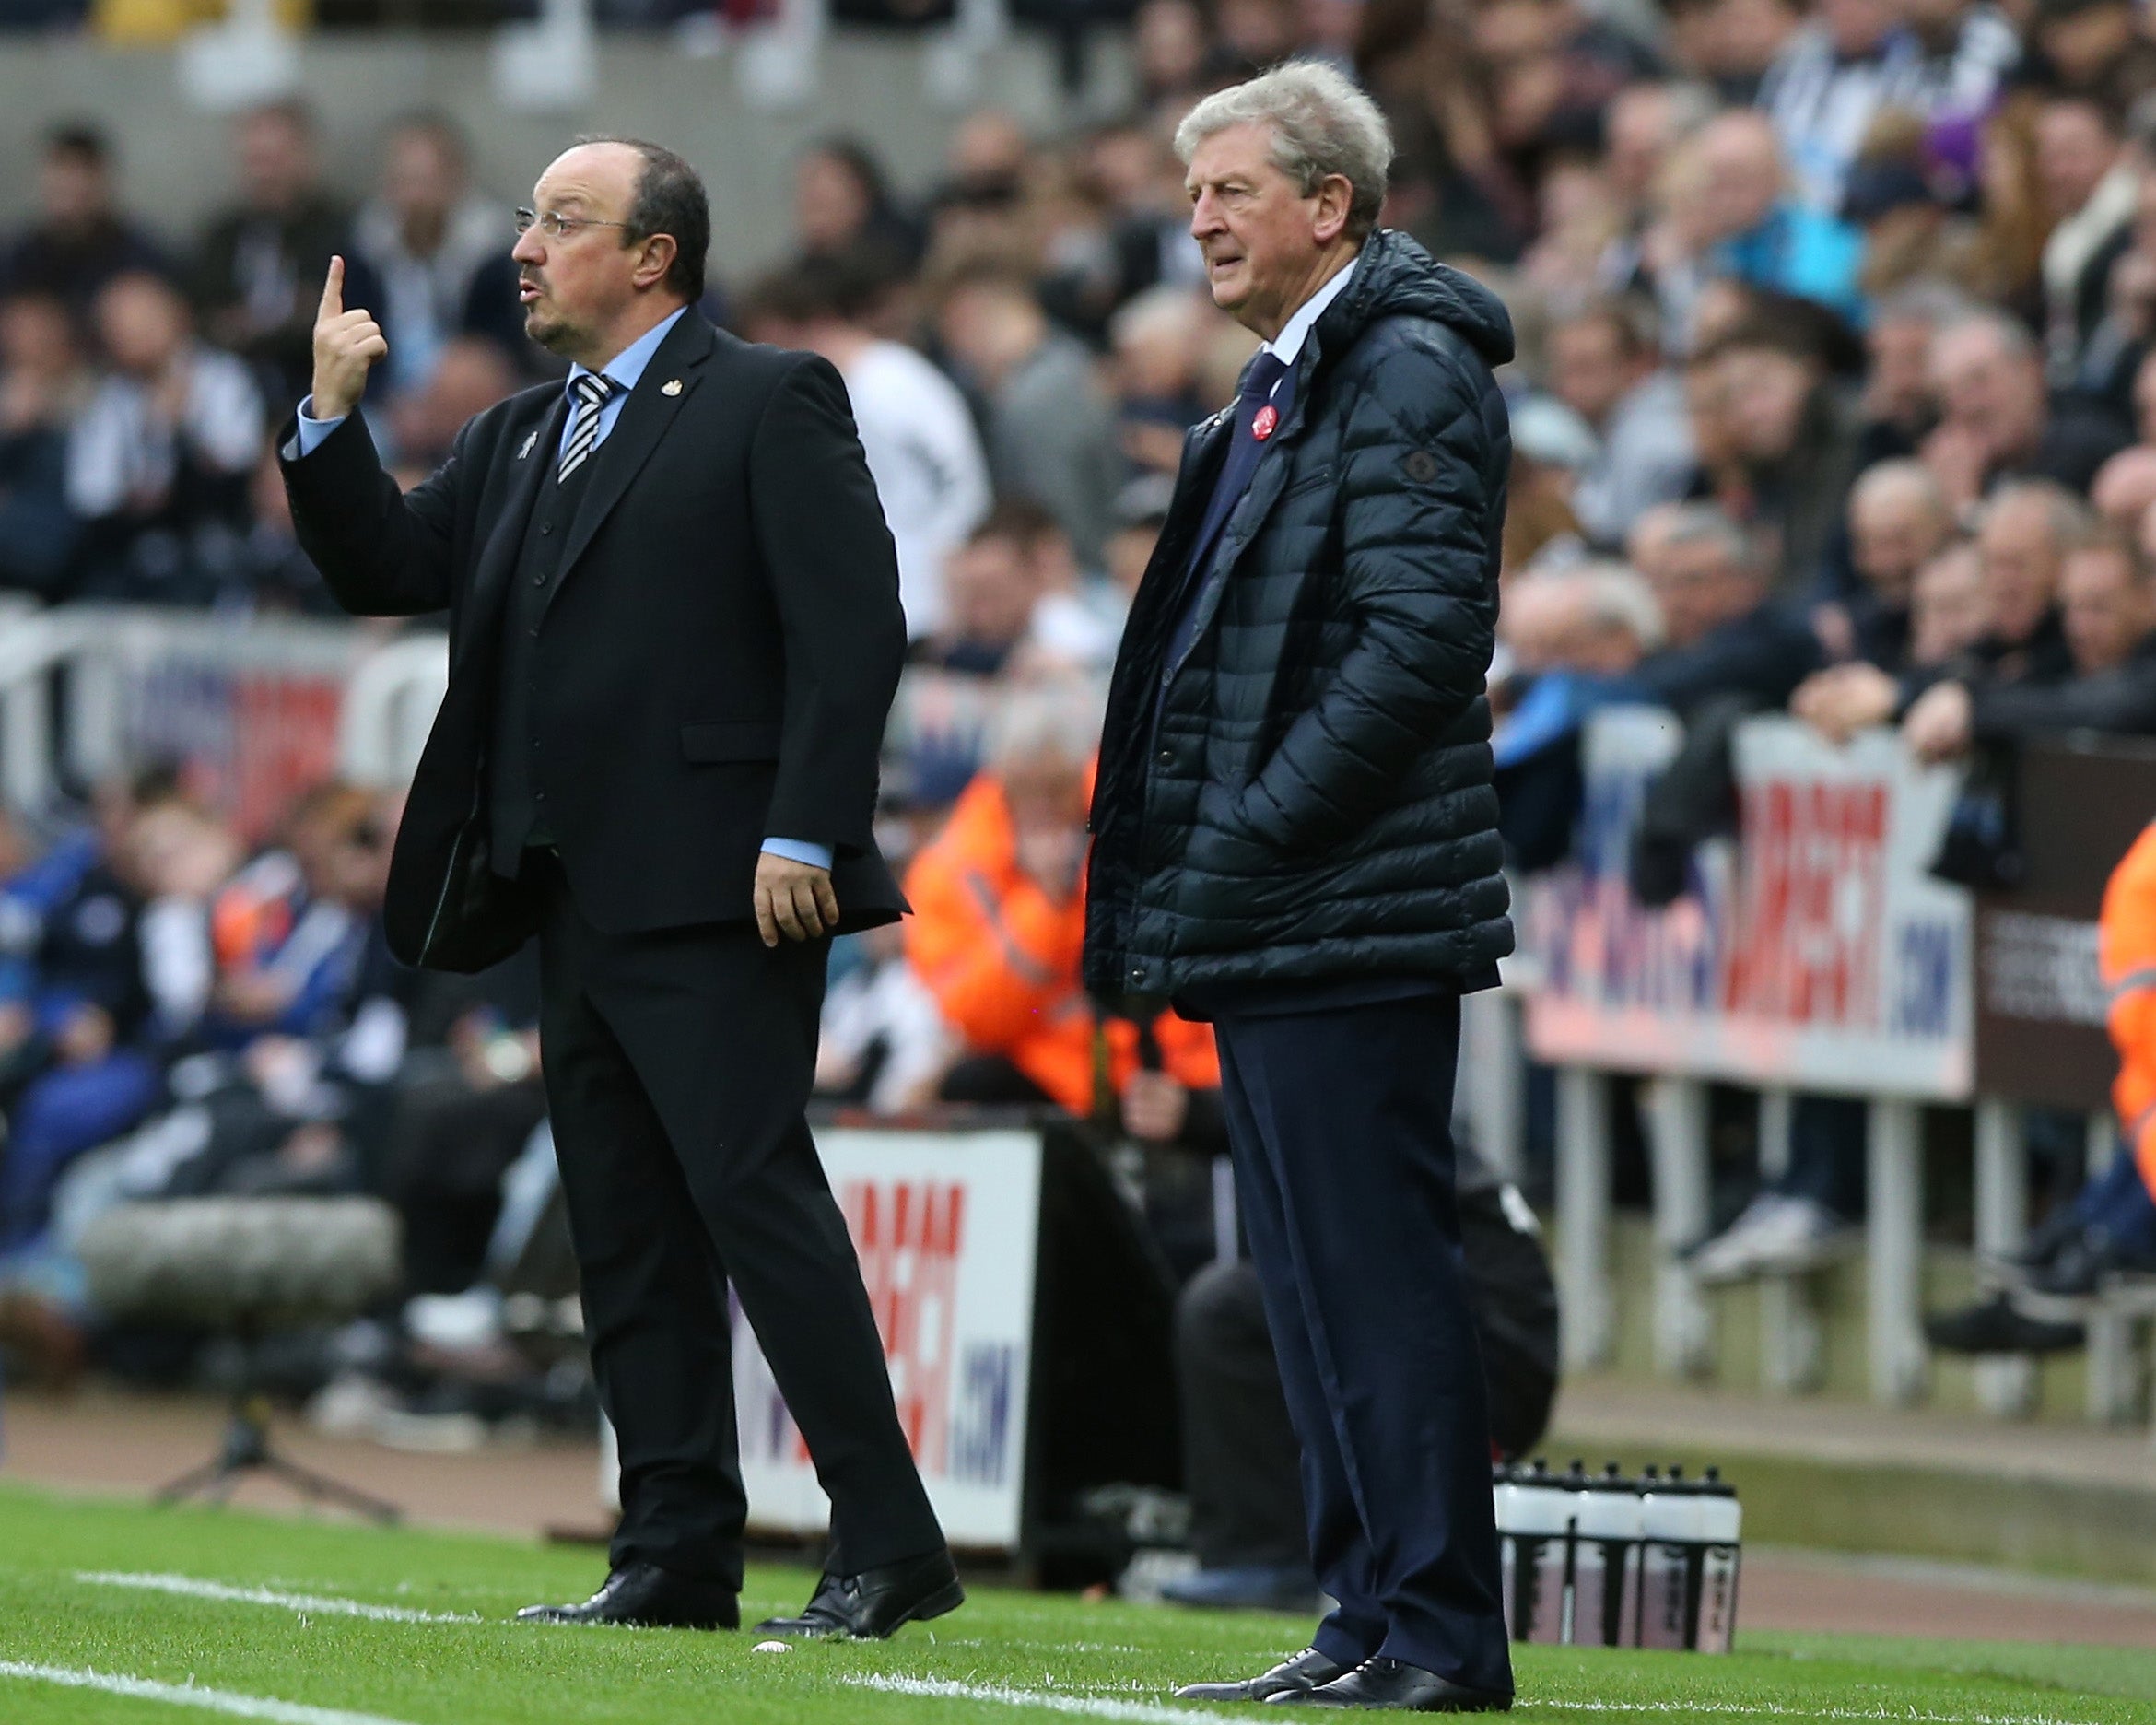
[645, 418]
[531, 452]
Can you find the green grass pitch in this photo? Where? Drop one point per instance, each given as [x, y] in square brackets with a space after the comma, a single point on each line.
[452, 1660]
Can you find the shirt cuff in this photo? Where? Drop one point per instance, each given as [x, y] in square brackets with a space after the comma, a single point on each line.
[312, 430]
[800, 851]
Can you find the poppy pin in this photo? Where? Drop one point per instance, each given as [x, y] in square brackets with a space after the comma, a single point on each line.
[1264, 422]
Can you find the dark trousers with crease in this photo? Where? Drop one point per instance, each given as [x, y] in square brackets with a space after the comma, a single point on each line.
[677, 1067]
[1340, 1124]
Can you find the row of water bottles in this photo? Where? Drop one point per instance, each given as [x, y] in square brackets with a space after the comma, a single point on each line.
[1606, 1561]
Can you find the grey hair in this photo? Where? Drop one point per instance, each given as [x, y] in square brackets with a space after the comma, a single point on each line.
[1058, 720]
[1691, 522]
[1616, 596]
[1907, 474]
[2009, 330]
[1321, 125]
[2070, 522]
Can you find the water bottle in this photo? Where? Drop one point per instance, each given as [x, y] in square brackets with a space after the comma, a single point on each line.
[1533, 1519]
[1720, 1523]
[1668, 1518]
[1605, 1565]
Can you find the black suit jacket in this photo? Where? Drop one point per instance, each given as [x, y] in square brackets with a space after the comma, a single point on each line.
[715, 664]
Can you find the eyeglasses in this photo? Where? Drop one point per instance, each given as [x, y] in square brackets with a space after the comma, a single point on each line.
[556, 225]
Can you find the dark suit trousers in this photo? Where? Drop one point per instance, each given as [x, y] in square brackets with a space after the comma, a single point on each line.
[677, 1068]
[1340, 1123]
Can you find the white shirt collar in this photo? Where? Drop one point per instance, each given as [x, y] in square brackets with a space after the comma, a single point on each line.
[627, 366]
[1288, 344]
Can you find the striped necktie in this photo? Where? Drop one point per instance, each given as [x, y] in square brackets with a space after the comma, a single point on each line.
[591, 391]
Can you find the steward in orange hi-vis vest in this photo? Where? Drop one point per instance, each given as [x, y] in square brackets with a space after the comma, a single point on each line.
[1001, 955]
[2127, 936]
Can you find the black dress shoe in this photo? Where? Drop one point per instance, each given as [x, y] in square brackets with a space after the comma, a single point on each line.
[876, 1602]
[1394, 1683]
[643, 1596]
[1306, 1671]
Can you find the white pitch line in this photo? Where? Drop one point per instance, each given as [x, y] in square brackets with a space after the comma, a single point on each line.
[320, 1605]
[1150, 1713]
[189, 1695]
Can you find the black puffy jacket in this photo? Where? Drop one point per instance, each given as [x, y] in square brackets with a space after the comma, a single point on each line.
[1314, 802]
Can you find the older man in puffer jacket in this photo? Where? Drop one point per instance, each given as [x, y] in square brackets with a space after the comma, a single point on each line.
[1296, 836]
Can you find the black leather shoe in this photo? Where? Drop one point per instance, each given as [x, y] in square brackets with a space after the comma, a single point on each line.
[1306, 1671]
[643, 1596]
[1394, 1683]
[876, 1602]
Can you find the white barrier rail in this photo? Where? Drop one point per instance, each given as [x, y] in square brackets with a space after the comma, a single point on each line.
[1816, 955]
[258, 709]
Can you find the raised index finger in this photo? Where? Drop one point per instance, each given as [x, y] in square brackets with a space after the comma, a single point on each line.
[333, 290]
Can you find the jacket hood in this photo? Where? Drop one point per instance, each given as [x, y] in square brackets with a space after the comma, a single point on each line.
[1394, 276]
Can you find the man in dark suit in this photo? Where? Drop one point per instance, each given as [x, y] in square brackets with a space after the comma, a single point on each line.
[674, 635]
[1295, 834]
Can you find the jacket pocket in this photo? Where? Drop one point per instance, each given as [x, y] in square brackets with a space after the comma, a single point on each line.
[731, 740]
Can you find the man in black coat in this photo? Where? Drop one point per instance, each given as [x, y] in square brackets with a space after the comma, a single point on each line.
[1296, 836]
[674, 635]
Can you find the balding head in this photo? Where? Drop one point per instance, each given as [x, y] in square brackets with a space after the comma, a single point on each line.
[2124, 487]
[2022, 542]
[1987, 377]
[1739, 163]
[622, 230]
[1899, 519]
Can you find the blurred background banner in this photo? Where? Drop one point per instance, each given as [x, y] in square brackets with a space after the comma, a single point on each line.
[1817, 952]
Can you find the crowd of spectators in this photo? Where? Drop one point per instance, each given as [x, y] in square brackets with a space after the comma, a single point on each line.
[1835, 395]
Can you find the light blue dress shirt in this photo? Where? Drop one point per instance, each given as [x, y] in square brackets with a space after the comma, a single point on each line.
[623, 370]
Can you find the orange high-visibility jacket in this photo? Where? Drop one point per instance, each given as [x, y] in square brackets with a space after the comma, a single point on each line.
[2127, 947]
[1002, 958]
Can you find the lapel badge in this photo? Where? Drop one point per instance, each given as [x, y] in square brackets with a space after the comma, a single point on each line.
[671, 387]
[1264, 421]
[531, 443]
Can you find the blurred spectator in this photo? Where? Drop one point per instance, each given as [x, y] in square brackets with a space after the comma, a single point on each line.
[42, 387]
[843, 203]
[1051, 427]
[1077, 614]
[2091, 190]
[1604, 365]
[1793, 439]
[1730, 44]
[1576, 637]
[1947, 611]
[261, 264]
[158, 464]
[1899, 521]
[999, 919]
[1827, 86]
[1994, 419]
[1965, 49]
[424, 235]
[2026, 531]
[2109, 621]
[2124, 488]
[1169, 45]
[922, 449]
[1154, 341]
[469, 375]
[269, 573]
[78, 240]
[884, 1041]
[1897, 403]
[991, 587]
[1729, 211]
[1555, 69]
[2095, 48]
[1724, 636]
